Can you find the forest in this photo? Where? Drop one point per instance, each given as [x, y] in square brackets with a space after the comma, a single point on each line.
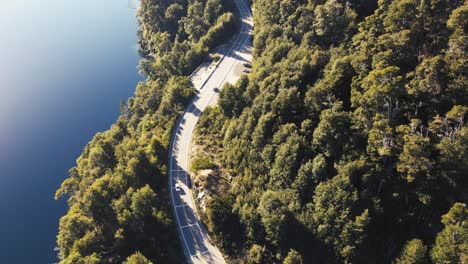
[119, 209]
[348, 142]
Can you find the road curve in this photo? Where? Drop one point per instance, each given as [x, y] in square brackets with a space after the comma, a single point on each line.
[195, 240]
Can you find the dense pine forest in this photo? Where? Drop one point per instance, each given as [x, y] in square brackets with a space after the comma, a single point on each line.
[348, 142]
[119, 210]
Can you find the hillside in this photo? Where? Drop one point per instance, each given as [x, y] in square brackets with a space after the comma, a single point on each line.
[119, 207]
[348, 141]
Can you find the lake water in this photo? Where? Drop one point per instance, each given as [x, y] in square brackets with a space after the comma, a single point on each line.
[64, 67]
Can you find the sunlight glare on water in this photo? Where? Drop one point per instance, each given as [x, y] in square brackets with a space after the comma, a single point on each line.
[64, 67]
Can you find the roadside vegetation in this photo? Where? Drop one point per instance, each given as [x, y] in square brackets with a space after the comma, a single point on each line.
[348, 142]
[119, 209]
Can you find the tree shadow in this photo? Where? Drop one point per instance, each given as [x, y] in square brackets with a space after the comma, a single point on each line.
[301, 238]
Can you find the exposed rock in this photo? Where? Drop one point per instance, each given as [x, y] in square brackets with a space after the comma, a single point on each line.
[205, 173]
[201, 195]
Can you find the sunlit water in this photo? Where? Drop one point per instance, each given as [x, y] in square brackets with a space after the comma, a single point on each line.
[64, 67]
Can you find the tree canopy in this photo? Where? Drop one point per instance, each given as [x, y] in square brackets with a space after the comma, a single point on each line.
[119, 207]
[347, 142]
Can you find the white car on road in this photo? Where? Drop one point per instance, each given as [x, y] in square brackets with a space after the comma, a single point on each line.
[177, 187]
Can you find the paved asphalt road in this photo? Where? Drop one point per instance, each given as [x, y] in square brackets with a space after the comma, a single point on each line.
[195, 240]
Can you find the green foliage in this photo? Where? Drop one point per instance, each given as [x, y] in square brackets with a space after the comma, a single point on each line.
[137, 258]
[273, 212]
[452, 148]
[331, 210]
[286, 162]
[230, 99]
[225, 26]
[414, 252]
[456, 55]
[256, 254]
[192, 25]
[350, 133]
[293, 257]
[202, 163]
[452, 242]
[223, 223]
[176, 36]
[117, 192]
[216, 58]
[333, 20]
[415, 159]
[333, 129]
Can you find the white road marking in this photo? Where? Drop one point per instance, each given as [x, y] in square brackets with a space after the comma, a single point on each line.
[188, 120]
[188, 226]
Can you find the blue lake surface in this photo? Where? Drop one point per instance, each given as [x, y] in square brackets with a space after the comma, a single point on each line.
[64, 67]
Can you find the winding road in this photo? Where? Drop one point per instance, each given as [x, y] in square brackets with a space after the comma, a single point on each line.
[195, 240]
